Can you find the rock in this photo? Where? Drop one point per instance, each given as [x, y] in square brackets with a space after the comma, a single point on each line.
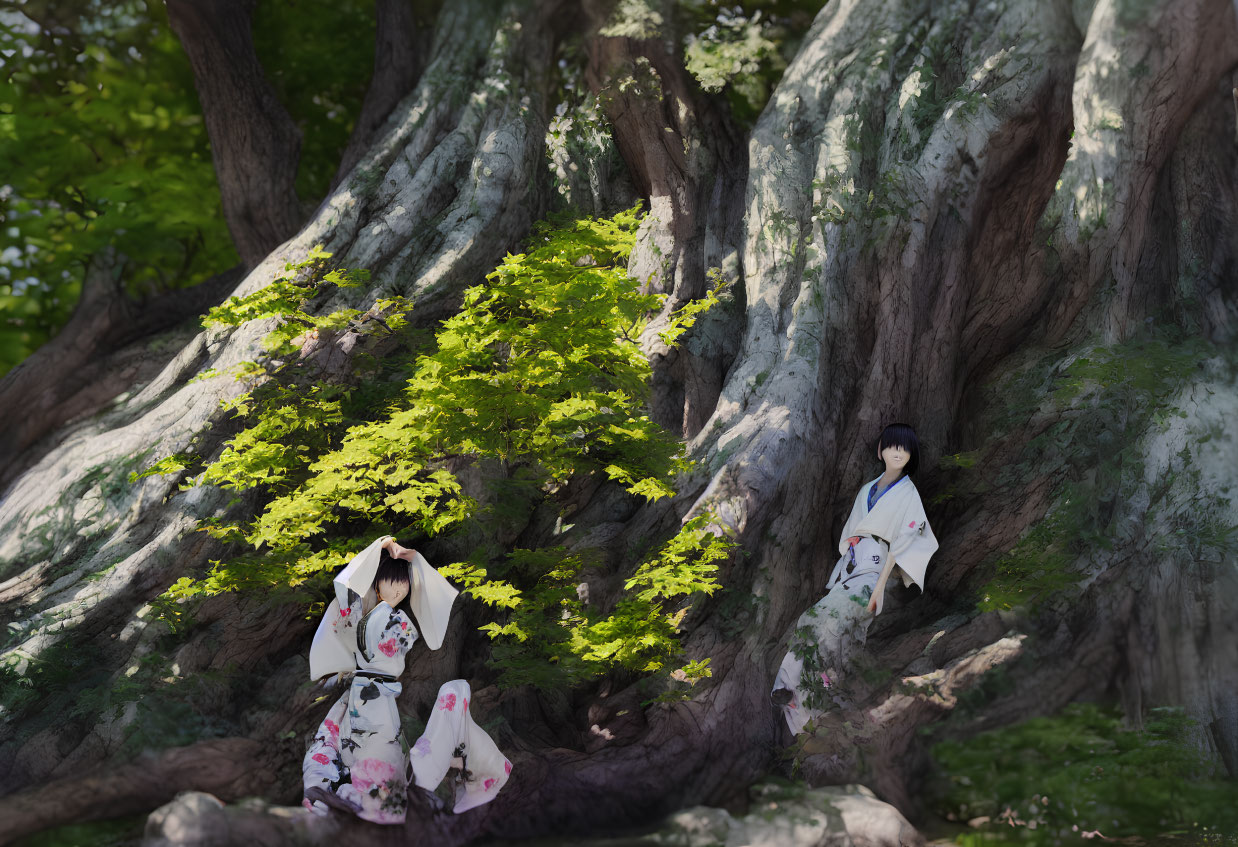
[783, 815]
[198, 819]
[869, 821]
[193, 819]
[780, 815]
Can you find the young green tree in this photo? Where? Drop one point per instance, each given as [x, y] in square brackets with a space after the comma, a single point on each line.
[539, 377]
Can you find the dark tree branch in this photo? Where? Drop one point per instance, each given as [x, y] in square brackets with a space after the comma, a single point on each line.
[255, 145]
[687, 156]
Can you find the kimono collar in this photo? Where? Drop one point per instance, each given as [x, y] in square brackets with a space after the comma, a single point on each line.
[873, 496]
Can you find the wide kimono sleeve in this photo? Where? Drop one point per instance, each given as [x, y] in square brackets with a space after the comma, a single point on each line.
[432, 596]
[332, 649]
[914, 543]
[451, 736]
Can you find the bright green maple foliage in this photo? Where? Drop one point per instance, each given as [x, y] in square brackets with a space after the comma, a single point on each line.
[539, 379]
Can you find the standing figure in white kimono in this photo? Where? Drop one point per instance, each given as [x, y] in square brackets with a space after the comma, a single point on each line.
[886, 531]
[356, 761]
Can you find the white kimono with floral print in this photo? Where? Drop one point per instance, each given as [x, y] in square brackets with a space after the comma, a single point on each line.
[357, 753]
[828, 634]
[452, 738]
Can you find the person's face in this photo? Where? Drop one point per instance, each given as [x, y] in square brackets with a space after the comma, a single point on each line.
[895, 457]
[391, 592]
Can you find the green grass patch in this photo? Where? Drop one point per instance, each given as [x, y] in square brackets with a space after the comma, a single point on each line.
[1052, 780]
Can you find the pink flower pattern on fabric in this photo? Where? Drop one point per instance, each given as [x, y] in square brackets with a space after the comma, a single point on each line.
[368, 773]
[825, 680]
[911, 525]
[321, 758]
[488, 784]
[507, 767]
[332, 728]
[389, 647]
[344, 612]
[447, 701]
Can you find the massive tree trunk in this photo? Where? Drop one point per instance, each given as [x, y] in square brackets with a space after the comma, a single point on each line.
[945, 205]
[255, 146]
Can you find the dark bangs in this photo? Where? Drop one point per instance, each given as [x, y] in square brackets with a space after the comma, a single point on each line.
[391, 569]
[901, 435]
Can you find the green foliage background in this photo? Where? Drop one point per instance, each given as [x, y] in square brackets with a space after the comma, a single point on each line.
[105, 150]
[1052, 780]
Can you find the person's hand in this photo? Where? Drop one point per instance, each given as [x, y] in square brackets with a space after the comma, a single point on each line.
[397, 552]
[393, 547]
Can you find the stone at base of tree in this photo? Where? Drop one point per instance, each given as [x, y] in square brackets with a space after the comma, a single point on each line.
[780, 815]
[198, 819]
[792, 816]
[193, 818]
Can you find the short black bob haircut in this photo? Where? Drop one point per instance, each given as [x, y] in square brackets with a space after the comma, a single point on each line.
[391, 569]
[901, 435]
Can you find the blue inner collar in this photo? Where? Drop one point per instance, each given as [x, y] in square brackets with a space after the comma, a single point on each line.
[873, 496]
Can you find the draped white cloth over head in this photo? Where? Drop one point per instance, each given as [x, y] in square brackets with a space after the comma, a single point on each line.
[335, 642]
[898, 519]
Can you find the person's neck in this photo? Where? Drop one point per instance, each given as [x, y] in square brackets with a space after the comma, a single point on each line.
[889, 478]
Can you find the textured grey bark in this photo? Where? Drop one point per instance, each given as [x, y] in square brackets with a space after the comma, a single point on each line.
[93, 359]
[938, 196]
[399, 46]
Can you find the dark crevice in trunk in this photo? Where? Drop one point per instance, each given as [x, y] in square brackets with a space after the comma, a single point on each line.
[686, 155]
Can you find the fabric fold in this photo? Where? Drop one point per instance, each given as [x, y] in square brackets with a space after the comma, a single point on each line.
[431, 597]
[452, 738]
